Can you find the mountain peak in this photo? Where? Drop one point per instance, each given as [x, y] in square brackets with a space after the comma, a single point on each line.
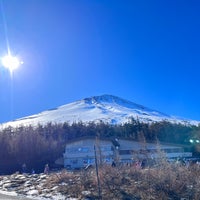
[102, 99]
[111, 99]
[106, 108]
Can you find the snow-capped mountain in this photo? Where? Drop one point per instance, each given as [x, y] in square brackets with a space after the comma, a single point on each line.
[105, 108]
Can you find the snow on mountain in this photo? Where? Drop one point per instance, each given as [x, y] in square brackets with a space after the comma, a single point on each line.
[105, 108]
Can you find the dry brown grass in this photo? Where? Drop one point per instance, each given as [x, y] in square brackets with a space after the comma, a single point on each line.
[163, 181]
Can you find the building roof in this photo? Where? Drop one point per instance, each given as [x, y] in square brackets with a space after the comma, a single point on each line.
[127, 143]
[88, 138]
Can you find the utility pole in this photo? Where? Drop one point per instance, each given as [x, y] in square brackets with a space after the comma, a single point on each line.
[97, 173]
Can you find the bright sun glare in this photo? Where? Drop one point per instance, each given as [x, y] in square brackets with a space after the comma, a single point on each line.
[10, 62]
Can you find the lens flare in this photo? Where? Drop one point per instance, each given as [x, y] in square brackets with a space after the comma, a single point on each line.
[10, 62]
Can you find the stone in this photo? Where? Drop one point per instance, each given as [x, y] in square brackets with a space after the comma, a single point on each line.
[85, 193]
[6, 185]
[33, 192]
[43, 176]
[19, 176]
[54, 188]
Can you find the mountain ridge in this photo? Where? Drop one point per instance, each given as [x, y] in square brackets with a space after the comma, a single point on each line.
[107, 108]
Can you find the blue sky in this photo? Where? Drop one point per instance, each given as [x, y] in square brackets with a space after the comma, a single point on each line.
[144, 51]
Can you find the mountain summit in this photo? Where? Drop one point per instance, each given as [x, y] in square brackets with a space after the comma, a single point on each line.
[106, 108]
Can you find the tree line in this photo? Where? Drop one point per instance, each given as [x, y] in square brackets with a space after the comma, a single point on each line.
[37, 146]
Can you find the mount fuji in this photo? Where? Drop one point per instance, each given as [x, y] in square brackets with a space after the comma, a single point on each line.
[106, 108]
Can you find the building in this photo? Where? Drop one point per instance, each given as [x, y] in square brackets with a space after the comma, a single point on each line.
[81, 152]
[128, 151]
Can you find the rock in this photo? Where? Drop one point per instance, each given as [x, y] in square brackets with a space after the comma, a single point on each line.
[32, 188]
[28, 184]
[19, 176]
[43, 176]
[64, 183]
[47, 195]
[1, 183]
[33, 192]
[7, 185]
[7, 181]
[23, 190]
[54, 188]
[85, 193]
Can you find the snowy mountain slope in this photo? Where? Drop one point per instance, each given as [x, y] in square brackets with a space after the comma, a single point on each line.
[105, 108]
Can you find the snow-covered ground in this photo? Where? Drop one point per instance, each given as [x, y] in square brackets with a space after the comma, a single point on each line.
[29, 186]
[105, 108]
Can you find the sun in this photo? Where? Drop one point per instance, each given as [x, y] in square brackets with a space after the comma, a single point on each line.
[10, 62]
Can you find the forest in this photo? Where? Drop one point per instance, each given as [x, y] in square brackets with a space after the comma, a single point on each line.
[37, 146]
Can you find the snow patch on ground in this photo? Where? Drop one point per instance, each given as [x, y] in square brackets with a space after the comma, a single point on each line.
[8, 193]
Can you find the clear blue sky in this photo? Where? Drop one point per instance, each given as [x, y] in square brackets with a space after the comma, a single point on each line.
[141, 50]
